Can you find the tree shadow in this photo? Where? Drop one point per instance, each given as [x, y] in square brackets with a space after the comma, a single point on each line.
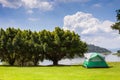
[60, 65]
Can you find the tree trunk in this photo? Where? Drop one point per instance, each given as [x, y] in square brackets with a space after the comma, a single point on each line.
[55, 62]
[35, 62]
[22, 62]
[11, 62]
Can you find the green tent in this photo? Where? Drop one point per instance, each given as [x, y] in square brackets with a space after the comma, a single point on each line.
[94, 60]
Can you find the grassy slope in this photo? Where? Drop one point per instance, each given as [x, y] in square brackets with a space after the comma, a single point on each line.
[60, 73]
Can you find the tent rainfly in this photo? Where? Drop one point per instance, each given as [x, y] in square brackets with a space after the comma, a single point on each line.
[93, 60]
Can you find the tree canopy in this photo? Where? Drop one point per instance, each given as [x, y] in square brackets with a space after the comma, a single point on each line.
[116, 26]
[25, 47]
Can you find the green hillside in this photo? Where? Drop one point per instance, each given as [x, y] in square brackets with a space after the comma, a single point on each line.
[93, 48]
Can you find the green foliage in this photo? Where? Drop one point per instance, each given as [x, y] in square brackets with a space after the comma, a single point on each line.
[118, 14]
[64, 44]
[7, 46]
[116, 26]
[24, 47]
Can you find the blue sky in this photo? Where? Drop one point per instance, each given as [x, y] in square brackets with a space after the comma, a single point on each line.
[91, 19]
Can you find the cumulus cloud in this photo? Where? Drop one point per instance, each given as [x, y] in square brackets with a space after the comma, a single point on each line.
[41, 4]
[92, 30]
[44, 5]
[30, 4]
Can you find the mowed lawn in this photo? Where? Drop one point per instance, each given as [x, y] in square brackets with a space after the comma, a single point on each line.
[60, 73]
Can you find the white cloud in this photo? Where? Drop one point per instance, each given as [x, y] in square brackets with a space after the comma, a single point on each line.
[97, 5]
[13, 4]
[92, 30]
[30, 11]
[33, 19]
[86, 22]
[30, 4]
[43, 5]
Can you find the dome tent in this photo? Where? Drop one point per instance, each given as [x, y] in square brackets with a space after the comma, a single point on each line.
[94, 60]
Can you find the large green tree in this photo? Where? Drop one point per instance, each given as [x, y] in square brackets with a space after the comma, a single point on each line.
[64, 44]
[116, 26]
[28, 47]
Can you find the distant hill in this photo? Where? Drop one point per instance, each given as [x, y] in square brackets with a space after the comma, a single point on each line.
[93, 48]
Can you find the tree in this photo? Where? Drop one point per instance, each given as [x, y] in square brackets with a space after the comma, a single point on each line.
[20, 47]
[118, 14]
[116, 26]
[24, 47]
[28, 48]
[36, 49]
[6, 45]
[2, 44]
[45, 38]
[64, 44]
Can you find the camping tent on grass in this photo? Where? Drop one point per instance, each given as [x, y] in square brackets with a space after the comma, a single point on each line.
[94, 60]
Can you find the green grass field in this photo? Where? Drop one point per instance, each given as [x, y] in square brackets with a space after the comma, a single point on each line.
[60, 73]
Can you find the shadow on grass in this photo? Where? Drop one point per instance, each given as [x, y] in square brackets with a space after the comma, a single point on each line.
[60, 65]
[98, 67]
